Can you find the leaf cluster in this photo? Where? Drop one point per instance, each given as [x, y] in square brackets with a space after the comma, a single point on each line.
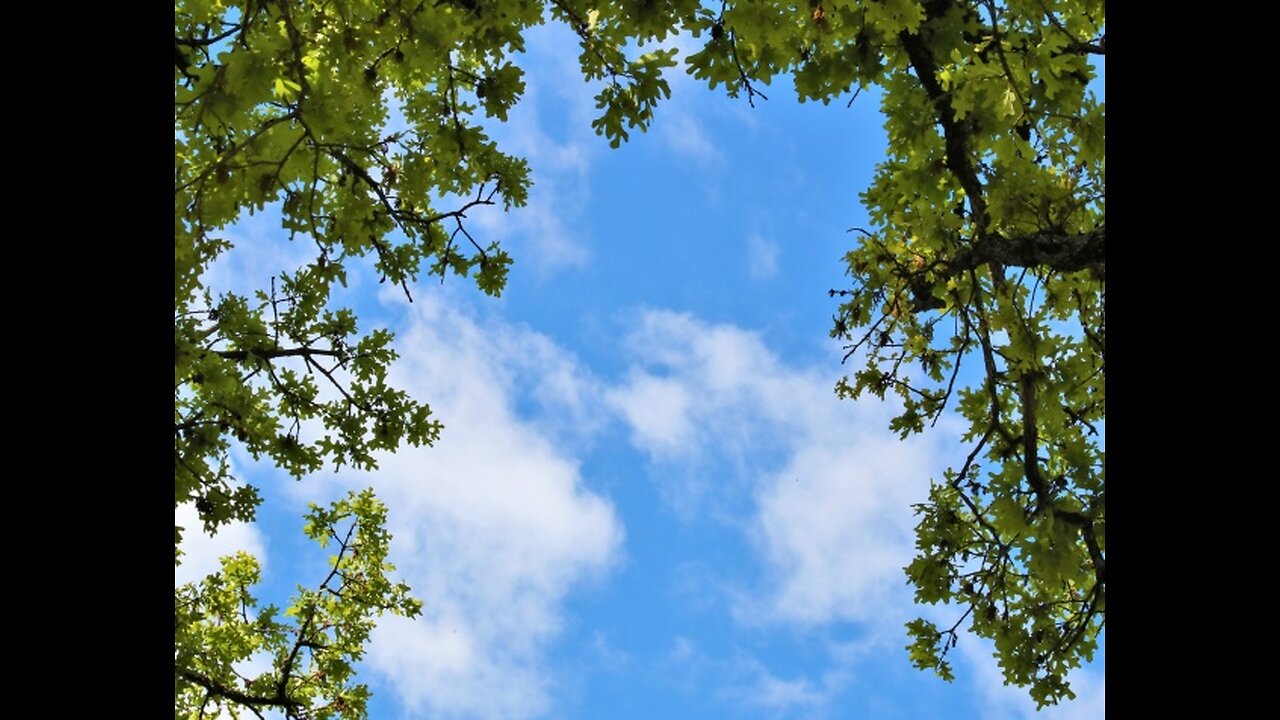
[308, 650]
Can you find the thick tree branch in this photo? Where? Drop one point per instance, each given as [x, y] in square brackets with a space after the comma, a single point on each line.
[1086, 525]
[955, 133]
[1059, 252]
[1087, 48]
[1031, 441]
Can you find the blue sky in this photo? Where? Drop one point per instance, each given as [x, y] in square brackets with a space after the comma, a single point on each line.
[647, 501]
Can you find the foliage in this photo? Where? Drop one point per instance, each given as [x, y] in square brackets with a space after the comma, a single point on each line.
[987, 250]
[312, 647]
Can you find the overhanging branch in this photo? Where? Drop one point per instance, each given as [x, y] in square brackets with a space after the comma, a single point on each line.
[1058, 252]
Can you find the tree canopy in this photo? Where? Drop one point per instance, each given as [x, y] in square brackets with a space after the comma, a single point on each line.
[985, 251]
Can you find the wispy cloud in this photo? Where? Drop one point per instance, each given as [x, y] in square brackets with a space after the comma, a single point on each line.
[658, 412]
[698, 394]
[681, 130]
[763, 692]
[778, 695]
[762, 257]
[551, 128]
[835, 527]
[829, 519]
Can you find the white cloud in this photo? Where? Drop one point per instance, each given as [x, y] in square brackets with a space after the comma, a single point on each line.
[762, 257]
[835, 525]
[699, 394]
[832, 486]
[702, 380]
[755, 686]
[492, 527]
[776, 693]
[658, 412]
[784, 695]
[202, 552]
[682, 649]
[606, 656]
[680, 129]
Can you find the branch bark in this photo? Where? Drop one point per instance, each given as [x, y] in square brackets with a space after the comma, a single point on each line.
[1060, 252]
[954, 131]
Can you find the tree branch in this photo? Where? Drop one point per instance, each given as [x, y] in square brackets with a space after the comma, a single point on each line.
[1031, 442]
[216, 688]
[1059, 252]
[1075, 45]
[1086, 525]
[301, 640]
[955, 133]
[270, 354]
[206, 41]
